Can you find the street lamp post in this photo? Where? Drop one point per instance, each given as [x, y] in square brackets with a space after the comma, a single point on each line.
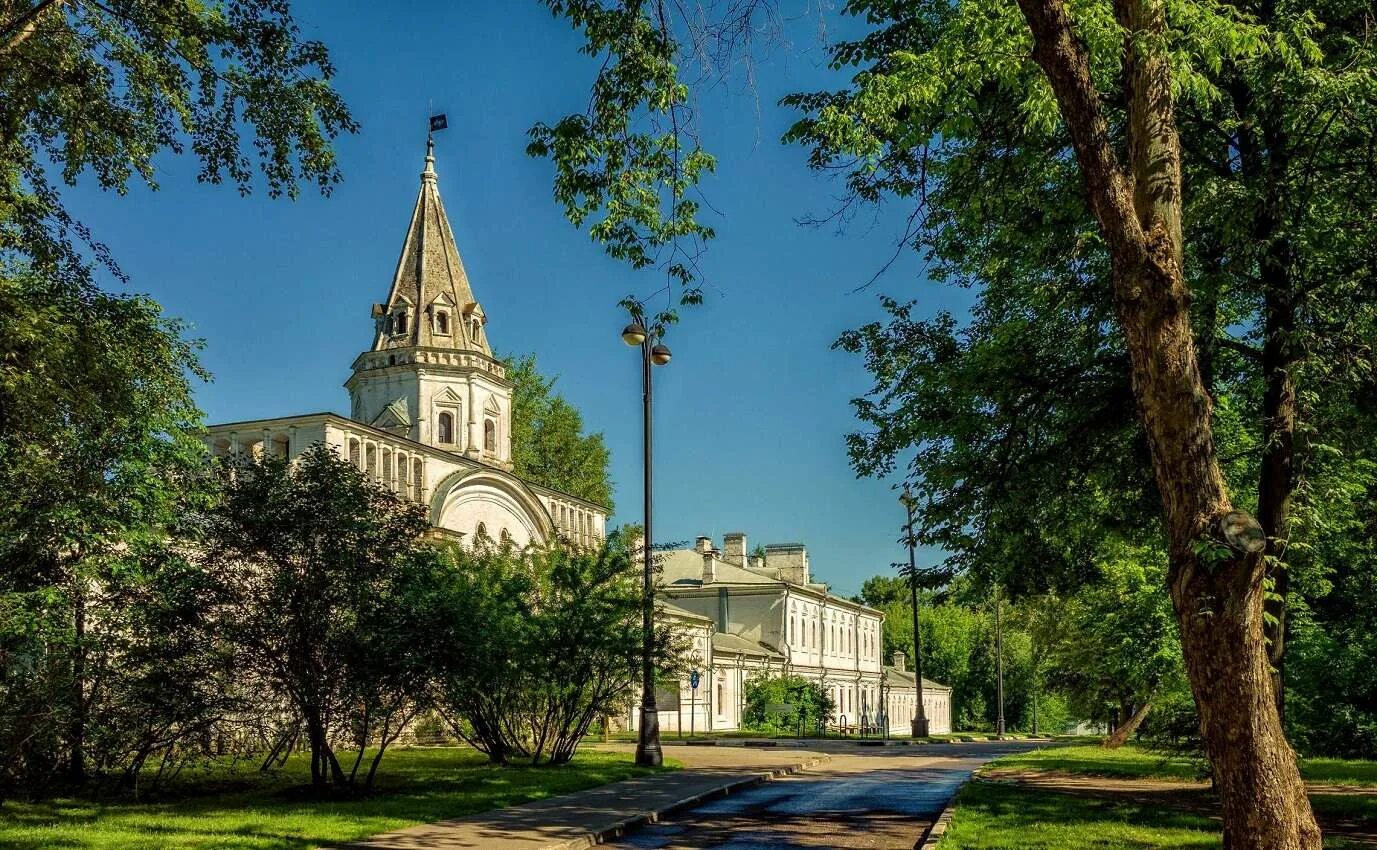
[999, 666]
[648, 751]
[920, 716]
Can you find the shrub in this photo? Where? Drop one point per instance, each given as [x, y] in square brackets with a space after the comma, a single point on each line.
[810, 704]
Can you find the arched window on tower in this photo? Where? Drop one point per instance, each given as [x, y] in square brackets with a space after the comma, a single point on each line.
[442, 322]
[445, 429]
[489, 436]
[400, 323]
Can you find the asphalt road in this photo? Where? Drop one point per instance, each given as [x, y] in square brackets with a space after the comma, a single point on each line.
[862, 798]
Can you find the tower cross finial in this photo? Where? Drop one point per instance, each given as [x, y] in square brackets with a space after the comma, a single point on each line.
[429, 173]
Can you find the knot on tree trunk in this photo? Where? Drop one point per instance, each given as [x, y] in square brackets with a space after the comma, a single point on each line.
[1241, 532]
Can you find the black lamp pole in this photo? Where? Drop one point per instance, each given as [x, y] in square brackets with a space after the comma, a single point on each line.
[920, 716]
[999, 665]
[648, 751]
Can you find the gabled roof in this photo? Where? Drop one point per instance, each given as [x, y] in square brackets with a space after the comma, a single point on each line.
[429, 268]
[897, 678]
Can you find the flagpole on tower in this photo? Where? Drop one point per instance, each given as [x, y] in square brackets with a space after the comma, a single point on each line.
[437, 122]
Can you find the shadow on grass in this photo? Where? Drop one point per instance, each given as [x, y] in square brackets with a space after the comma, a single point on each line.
[996, 816]
[241, 809]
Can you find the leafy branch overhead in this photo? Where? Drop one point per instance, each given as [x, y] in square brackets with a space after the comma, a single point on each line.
[101, 89]
[626, 165]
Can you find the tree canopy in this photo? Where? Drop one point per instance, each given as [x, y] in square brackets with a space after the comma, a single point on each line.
[549, 446]
[99, 90]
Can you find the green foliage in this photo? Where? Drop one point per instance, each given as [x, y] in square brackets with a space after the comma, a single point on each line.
[1113, 643]
[1018, 425]
[99, 466]
[811, 704]
[328, 597]
[98, 428]
[101, 89]
[549, 447]
[630, 159]
[533, 646]
[879, 591]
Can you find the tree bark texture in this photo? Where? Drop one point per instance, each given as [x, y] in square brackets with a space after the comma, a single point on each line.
[1215, 581]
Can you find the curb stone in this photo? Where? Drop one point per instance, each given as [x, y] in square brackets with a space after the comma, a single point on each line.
[933, 834]
[631, 824]
[937, 829]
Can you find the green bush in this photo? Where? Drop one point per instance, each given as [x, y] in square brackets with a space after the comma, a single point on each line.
[811, 704]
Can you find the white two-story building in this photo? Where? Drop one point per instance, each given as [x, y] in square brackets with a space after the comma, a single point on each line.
[760, 615]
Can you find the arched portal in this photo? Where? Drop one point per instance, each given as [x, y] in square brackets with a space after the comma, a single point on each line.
[468, 498]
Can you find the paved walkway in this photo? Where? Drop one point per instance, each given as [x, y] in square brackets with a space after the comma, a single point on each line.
[862, 798]
[576, 820]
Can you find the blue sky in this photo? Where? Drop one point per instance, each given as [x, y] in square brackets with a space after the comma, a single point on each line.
[751, 414]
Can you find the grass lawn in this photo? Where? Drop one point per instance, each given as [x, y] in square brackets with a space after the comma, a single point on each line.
[233, 806]
[1130, 762]
[993, 816]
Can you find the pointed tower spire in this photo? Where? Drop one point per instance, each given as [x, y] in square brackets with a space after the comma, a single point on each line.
[430, 303]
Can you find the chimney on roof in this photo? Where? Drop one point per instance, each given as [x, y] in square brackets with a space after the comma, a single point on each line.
[709, 567]
[703, 545]
[791, 559]
[734, 548]
[899, 659]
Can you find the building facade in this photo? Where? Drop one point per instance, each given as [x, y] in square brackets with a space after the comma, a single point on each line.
[761, 615]
[430, 407]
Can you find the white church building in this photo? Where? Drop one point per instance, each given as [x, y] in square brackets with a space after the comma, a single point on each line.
[430, 412]
[430, 417]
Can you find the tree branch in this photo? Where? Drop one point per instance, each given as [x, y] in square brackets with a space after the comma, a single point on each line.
[18, 30]
[1066, 63]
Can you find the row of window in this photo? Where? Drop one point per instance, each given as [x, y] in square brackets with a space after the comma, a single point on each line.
[397, 323]
[573, 522]
[833, 637]
[481, 533]
[402, 473]
[444, 431]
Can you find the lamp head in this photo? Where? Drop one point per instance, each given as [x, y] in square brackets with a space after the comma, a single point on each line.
[659, 355]
[634, 334]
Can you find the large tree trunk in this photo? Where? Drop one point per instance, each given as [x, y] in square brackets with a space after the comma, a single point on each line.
[1216, 566]
[1130, 724]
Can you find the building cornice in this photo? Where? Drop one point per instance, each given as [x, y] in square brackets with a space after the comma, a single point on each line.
[414, 446]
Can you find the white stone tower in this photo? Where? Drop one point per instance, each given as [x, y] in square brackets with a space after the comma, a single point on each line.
[430, 375]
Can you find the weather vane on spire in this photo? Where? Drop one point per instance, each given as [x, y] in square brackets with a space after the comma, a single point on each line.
[437, 122]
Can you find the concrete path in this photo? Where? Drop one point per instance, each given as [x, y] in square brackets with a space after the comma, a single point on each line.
[862, 798]
[584, 818]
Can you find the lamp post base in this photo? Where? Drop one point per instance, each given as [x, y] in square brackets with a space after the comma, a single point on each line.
[648, 752]
[920, 727]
